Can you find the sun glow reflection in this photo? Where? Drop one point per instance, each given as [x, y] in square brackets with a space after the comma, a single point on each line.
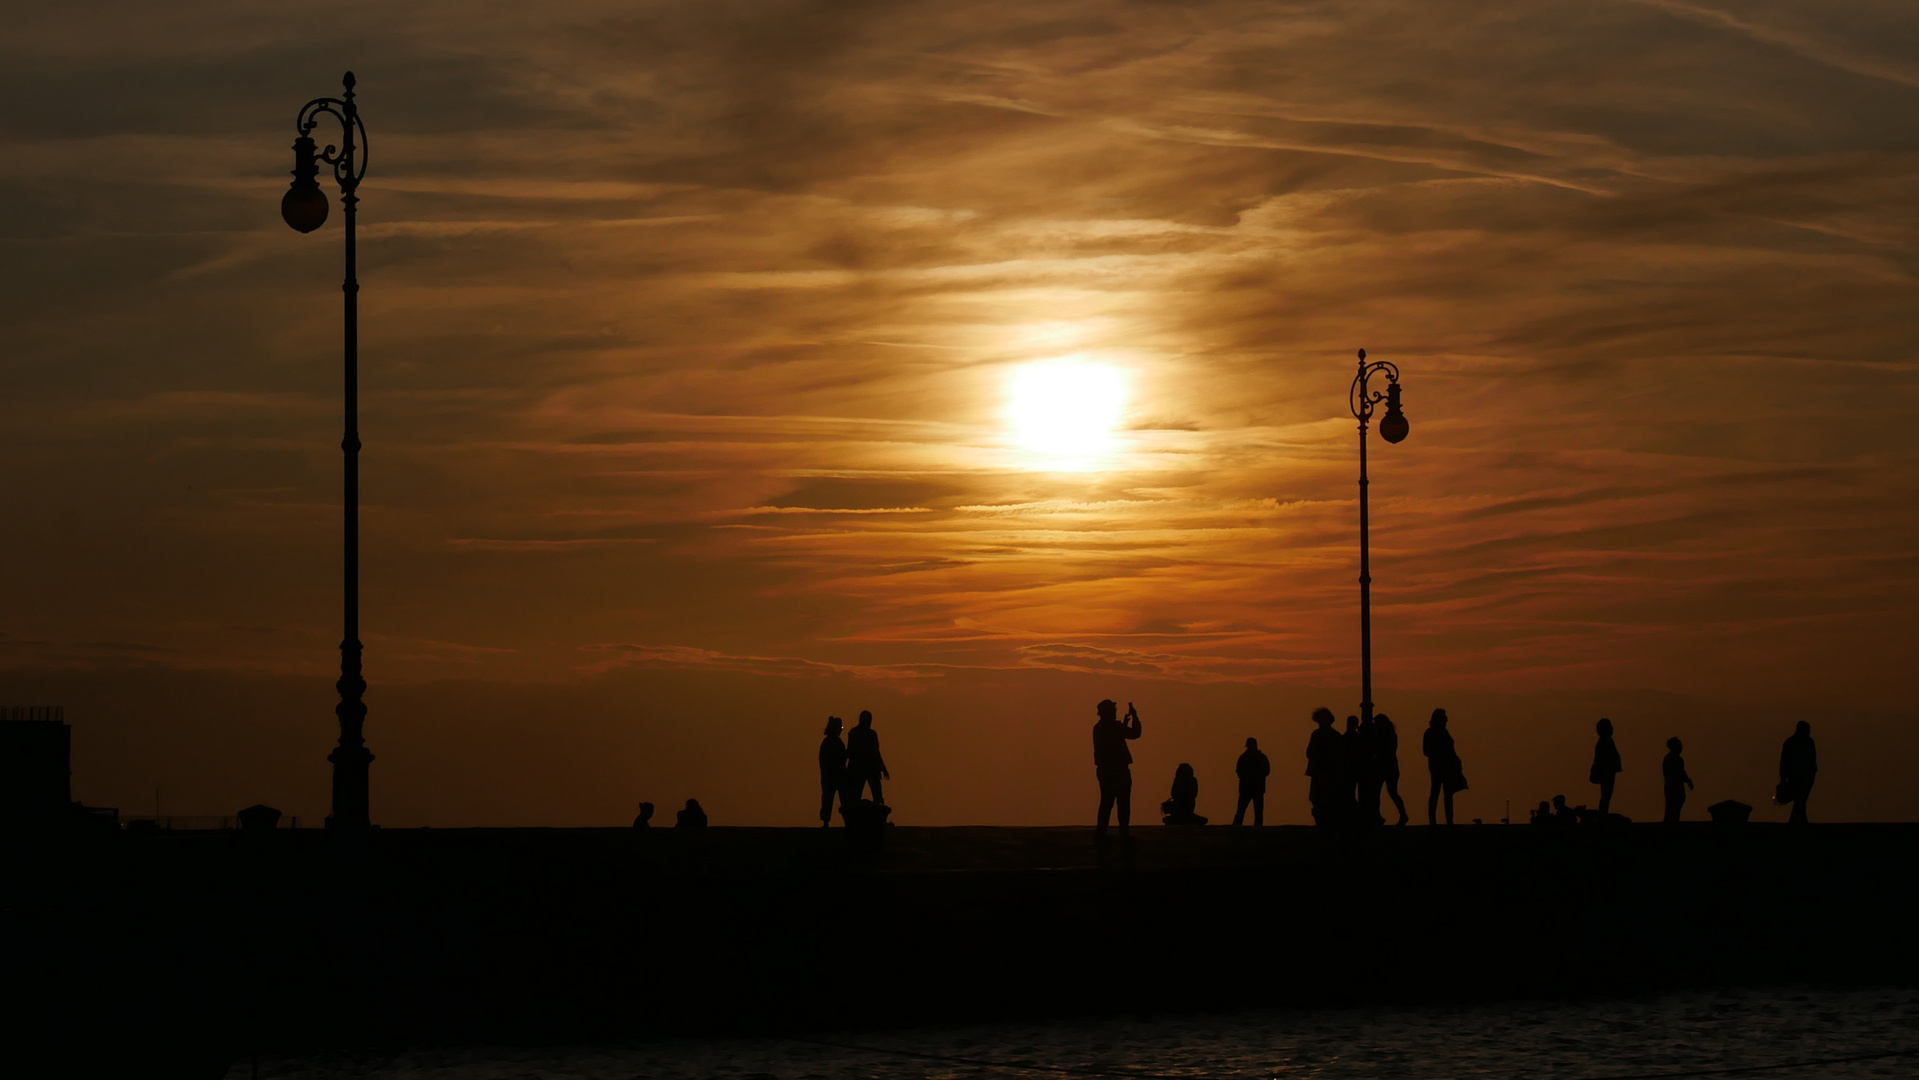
[1066, 412]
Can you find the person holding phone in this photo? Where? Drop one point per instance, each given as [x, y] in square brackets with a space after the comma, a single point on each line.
[1113, 765]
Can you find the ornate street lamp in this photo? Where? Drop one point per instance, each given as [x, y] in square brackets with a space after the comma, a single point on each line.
[1392, 428]
[305, 208]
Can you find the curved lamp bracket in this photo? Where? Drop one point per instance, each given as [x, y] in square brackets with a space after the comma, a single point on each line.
[1363, 397]
[348, 166]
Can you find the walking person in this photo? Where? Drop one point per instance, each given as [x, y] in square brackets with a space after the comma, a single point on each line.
[1674, 769]
[1113, 765]
[1327, 770]
[1442, 761]
[832, 768]
[1252, 770]
[1385, 746]
[1606, 765]
[864, 765]
[1798, 768]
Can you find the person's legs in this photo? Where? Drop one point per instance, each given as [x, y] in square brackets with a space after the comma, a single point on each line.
[1605, 795]
[826, 804]
[1449, 808]
[1675, 798]
[1259, 809]
[1239, 815]
[1432, 803]
[1798, 809]
[1105, 805]
[874, 779]
[1124, 799]
[1392, 788]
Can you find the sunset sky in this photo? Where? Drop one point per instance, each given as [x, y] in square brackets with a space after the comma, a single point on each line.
[715, 358]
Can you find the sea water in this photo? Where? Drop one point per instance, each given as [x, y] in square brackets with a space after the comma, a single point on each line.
[1790, 1033]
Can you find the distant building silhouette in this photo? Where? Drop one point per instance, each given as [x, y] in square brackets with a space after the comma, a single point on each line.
[645, 818]
[1798, 768]
[1113, 764]
[1443, 764]
[832, 769]
[1673, 768]
[1179, 809]
[864, 765]
[692, 817]
[1252, 770]
[1385, 748]
[36, 765]
[1606, 764]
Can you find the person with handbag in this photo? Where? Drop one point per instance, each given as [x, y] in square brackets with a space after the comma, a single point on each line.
[1442, 762]
[1606, 765]
[1798, 768]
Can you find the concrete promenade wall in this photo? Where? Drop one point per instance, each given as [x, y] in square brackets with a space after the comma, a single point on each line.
[186, 948]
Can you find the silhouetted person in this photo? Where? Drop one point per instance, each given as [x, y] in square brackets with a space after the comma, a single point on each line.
[1798, 768]
[1385, 745]
[1359, 761]
[1606, 765]
[1113, 764]
[1563, 814]
[1252, 770]
[692, 817]
[1352, 756]
[1324, 764]
[645, 820]
[1543, 815]
[832, 768]
[1442, 761]
[1674, 769]
[1178, 810]
[864, 765]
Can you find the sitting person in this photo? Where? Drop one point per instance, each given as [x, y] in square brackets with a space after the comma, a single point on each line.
[1543, 815]
[1179, 808]
[645, 820]
[692, 817]
[1563, 814]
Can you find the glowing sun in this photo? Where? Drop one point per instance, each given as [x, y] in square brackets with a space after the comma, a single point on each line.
[1065, 411]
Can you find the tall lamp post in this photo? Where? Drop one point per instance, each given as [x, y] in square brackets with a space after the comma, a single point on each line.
[305, 208]
[1392, 428]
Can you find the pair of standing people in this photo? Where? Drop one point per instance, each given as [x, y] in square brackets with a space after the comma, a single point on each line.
[1349, 771]
[1607, 766]
[851, 767]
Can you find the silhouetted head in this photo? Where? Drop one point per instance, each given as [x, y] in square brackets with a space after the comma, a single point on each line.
[1323, 716]
[1383, 721]
[1439, 718]
[1604, 727]
[1352, 724]
[1803, 728]
[692, 804]
[1109, 709]
[1252, 743]
[1674, 744]
[1183, 771]
[866, 718]
[646, 810]
[834, 724]
[1559, 802]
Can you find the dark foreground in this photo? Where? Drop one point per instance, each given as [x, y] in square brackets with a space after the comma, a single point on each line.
[174, 954]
